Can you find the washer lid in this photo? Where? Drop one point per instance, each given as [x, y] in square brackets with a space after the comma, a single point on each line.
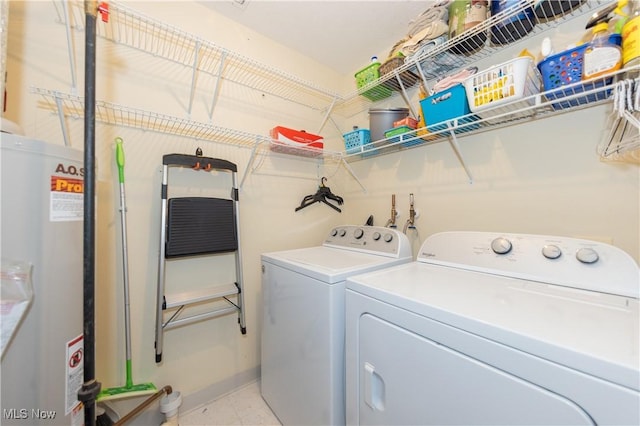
[592, 332]
[328, 264]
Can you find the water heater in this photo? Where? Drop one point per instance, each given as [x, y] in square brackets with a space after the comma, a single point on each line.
[42, 220]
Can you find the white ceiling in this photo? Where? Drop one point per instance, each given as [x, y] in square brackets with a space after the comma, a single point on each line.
[340, 34]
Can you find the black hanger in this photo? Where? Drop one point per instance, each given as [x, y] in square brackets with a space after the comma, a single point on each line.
[321, 196]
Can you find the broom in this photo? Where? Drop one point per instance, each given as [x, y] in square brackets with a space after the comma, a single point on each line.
[129, 389]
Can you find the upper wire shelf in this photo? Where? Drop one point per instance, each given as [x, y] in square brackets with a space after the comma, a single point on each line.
[128, 27]
[435, 61]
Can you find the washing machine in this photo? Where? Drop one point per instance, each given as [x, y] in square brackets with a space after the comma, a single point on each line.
[488, 328]
[302, 371]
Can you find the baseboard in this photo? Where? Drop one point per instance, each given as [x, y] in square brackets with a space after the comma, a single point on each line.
[152, 415]
[219, 389]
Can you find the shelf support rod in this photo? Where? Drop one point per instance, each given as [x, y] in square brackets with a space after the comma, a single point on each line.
[327, 114]
[423, 77]
[352, 173]
[403, 92]
[194, 73]
[216, 91]
[63, 123]
[72, 58]
[453, 141]
[249, 166]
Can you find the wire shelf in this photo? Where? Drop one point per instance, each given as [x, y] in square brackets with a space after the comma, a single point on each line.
[128, 27]
[72, 106]
[576, 96]
[133, 29]
[465, 49]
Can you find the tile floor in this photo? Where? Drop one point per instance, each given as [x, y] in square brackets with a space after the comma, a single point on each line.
[244, 406]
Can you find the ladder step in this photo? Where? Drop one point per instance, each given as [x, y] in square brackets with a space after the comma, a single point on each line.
[199, 317]
[201, 295]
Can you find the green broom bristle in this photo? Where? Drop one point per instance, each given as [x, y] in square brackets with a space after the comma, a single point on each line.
[127, 391]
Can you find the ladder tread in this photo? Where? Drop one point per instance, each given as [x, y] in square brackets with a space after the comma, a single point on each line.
[200, 295]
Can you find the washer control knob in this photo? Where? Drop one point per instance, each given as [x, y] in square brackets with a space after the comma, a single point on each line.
[501, 245]
[551, 251]
[334, 232]
[376, 236]
[358, 233]
[342, 232]
[388, 238]
[587, 255]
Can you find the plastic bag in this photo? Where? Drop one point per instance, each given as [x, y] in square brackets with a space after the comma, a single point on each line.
[16, 295]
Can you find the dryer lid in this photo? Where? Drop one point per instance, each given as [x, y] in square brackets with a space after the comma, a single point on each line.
[592, 332]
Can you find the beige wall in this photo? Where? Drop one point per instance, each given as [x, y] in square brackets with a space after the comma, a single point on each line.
[543, 177]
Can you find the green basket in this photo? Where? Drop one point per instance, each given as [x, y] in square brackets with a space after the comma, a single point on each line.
[396, 135]
[366, 76]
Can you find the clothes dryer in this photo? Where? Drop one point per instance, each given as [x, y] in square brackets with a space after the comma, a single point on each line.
[302, 372]
[496, 329]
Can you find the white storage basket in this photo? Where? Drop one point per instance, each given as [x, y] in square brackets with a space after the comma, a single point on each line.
[498, 89]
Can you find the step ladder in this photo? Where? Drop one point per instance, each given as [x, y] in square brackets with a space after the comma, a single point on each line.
[197, 226]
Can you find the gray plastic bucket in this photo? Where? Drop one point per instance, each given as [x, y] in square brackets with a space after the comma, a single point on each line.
[381, 120]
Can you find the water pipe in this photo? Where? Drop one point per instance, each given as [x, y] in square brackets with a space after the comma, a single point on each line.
[133, 413]
[412, 216]
[391, 223]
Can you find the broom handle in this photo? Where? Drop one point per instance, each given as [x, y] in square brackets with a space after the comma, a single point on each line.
[125, 258]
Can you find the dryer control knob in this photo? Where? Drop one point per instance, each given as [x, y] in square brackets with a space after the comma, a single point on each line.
[587, 255]
[501, 245]
[334, 232]
[388, 238]
[376, 236]
[358, 233]
[342, 232]
[551, 251]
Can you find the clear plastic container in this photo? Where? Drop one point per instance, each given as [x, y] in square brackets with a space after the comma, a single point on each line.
[602, 56]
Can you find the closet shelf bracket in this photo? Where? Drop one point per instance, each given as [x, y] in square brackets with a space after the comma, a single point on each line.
[216, 90]
[194, 74]
[252, 157]
[453, 141]
[63, 123]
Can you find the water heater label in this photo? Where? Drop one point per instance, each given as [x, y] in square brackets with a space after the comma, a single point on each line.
[66, 199]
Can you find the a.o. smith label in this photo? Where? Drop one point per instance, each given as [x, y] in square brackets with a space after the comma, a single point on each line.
[66, 199]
